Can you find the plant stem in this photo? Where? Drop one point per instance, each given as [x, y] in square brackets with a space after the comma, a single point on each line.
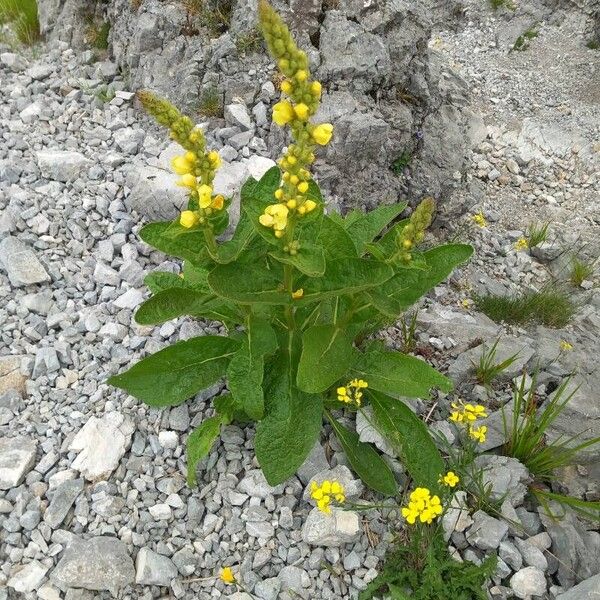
[209, 237]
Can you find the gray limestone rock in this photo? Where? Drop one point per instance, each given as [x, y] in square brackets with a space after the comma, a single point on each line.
[17, 457]
[154, 569]
[28, 578]
[586, 590]
[21, 263]
[486, 532]
[62, 165]
[63, 498]
[528, 582]
[506, 476]
[335, 529]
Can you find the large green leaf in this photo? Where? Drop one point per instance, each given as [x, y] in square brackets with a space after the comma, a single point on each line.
[363, 227]
[399, 374]
[385, 246]
[190, 246]
[246, 369]
[309, 260]
[345, 276]
[178, 372]
[407, 286]
[336, 240]
[159, 281]
[199, 443]
[175, 302]
[248, 284]
[365, 461]
[291, 426]
[327, 355]
[228, 251]
[409, 436]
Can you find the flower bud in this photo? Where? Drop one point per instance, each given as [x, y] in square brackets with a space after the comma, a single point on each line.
[303, 187]
[286, 87]
[188, 219]
[214, 158]
[218, 202]
[315, 88]
[301, 111]
[301, 75]
[310, 205]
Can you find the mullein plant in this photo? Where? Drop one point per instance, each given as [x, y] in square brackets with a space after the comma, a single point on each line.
[299, 292]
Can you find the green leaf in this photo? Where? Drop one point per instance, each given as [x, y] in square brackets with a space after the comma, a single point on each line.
[246, 369]
[399, 374]
[176, 373]
[248, 284]
[199, 443]
[291, 426]
[255, 196]
[407, 286]
[163, 280]
[309, 260]
[230, 250]
[327, 355]
[363, 227]
[175, 302]
[190, 246]
[196, 277]
[229, 409]
[410, 437]
[365, 461]
[344, 276]
[387, 244]
[335, 240]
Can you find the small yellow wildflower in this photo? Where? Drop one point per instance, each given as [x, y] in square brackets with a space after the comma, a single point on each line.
[218, 202]
[327, 491]
[450, 479]
[275, 216]
[298, 294]
[322, 133]
[315, 88]
[464, 413]
[351, 392]
[187, 180]
[479, 219]
[215, 159]
[565, 346]
[188, 218]
[204, 195]
[227, 575]
[286, 86]
[301, 75]
[465, 303]
[521, 244]
[301, 111]
[478, 433]
[422, 505]
[283, 113]
[303, 187]
[182, 165]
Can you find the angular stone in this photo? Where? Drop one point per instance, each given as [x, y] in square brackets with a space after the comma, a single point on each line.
[154, 569]
[28, 578]
[61, 165]
[129, 140]
[101, 443]
[528, 582]
[15, 62]
[315, 462]
[62, 499]
[254, 484]
[46, 361]
[237, 114]
[456, 517]
[100, 563]
[352, 487]
[532, 556]
[21, 263]
[334, 529]
[368, 434]
[506, 477]
[486, 532]
[586, 590]
[11, 378]
[17, 457]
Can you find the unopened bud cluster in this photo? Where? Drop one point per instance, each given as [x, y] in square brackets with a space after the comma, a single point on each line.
[303, 98]
[414, 232]
[196, 167]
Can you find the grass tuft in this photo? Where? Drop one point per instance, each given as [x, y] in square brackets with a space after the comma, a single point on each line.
[488, 369]
[552, 308]
[401, 162]
[536, 234]
[22, 17]
[580, 271]
[524, 40]
[251, 41]
[211, 103]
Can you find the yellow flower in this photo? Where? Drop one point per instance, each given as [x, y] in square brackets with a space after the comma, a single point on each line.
[351, 392]
[204, 195]
[218, 202]
[463, 413]
[322, 133]
[303, 187]
[315, 88]
[275, 216]
[215, 159]
[301, 75]
[521, 244]
[327, 491]
[309, 205]
[182, 165]
[565, 346]
[301, 111]
[422, 506]
[187, 180]
[450, 479]
[465, 302]
[278, 193]
[227, 575]
[298, 294]
[283, 113]
[188, 218]
[286, 86]
[479, 219]
[478, 433]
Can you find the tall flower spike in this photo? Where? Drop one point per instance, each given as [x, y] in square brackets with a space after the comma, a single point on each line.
[196, 167]
[303, 99]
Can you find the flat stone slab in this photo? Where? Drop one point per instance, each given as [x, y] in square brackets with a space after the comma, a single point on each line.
[21, 263]
[17, 457]
[98, 564]
[101, 444]
[62, 165]
[154, 569]
[28, 578]
[335, 529]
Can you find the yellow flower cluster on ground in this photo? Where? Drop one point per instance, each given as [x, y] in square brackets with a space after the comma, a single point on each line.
[414, 232]
[467, 414]
[327, 492]
[196, 168]
[521, 244]
[565, 346]
[303, 98]
[479, 219]
[450, 479]
[422, 506]
[351, 393]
